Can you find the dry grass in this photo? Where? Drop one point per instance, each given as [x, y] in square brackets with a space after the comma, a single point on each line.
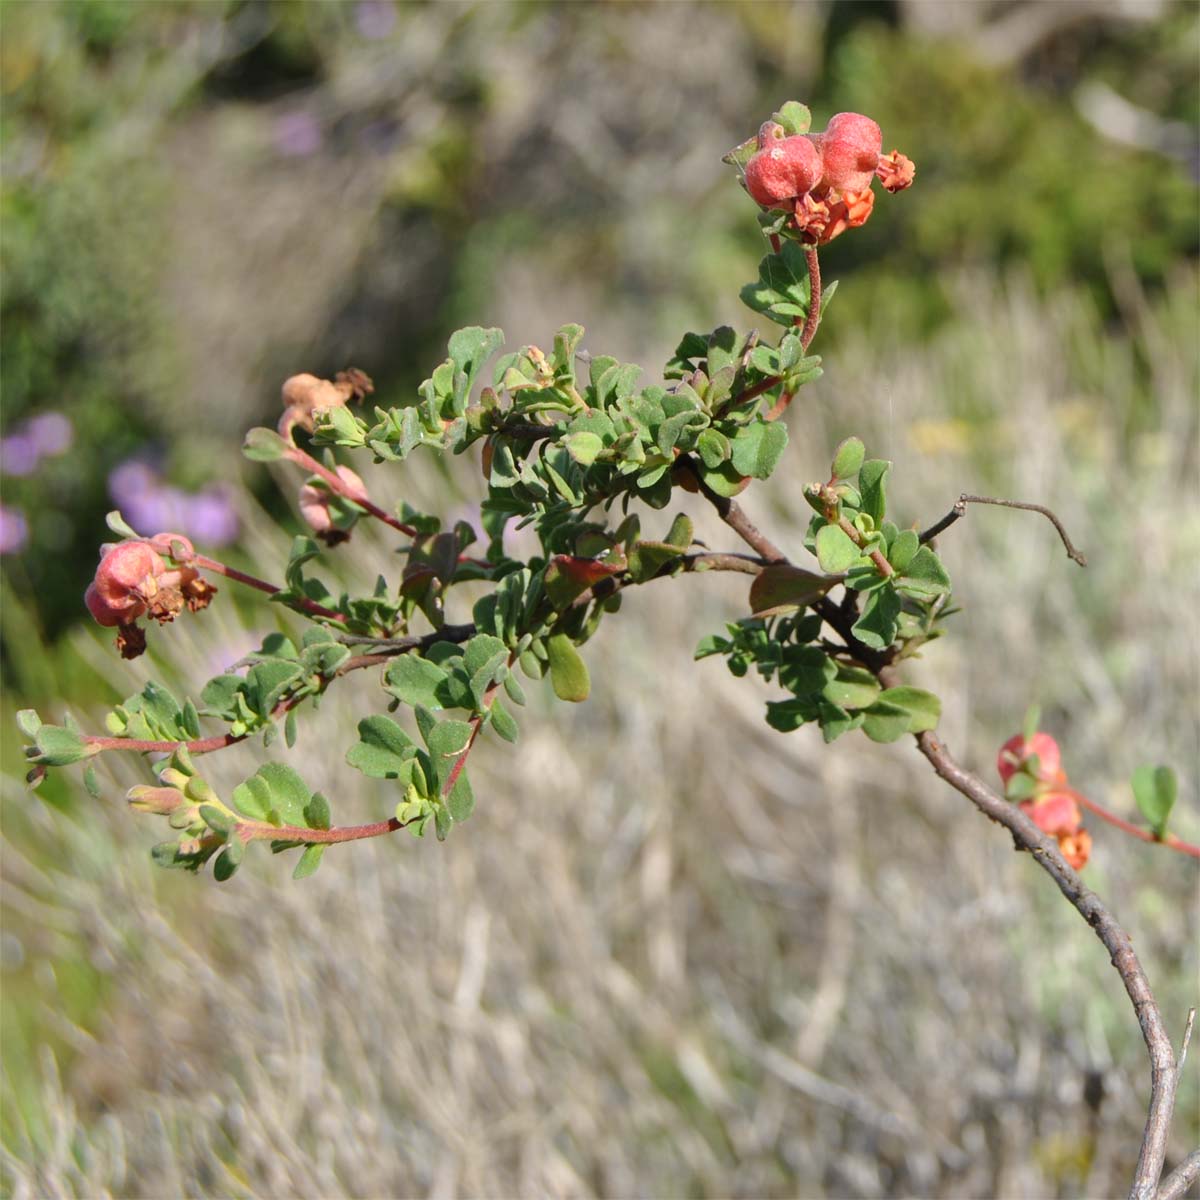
[674, 953]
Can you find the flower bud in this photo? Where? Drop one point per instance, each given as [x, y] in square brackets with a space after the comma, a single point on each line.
[1055, 813]
[1017, 751]
[782, 171]
[316, 500]
[850, 148]
[162, 801]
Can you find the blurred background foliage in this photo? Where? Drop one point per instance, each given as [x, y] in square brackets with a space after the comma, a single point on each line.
[200, 199]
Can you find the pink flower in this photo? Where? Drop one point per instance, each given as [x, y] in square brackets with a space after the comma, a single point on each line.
[125, 581]
[133, 581]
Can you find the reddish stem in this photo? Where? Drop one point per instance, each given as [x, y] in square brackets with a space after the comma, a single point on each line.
[219, 568]
[476, 725]
[250, 831]
[342, 488]
[1144, 835]
[813, 318]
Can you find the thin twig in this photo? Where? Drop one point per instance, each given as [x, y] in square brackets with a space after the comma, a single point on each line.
[356, 495]
[1128, 827]
[1180, 1179]
[1187, 1037]
[204, 563]
[960, 509]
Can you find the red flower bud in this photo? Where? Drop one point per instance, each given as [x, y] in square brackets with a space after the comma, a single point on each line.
[1055, 813]
[1017, 750]
[850, 149]
[783, 170]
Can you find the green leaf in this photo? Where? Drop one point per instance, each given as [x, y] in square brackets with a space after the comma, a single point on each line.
[836, 551]
[681, 532]
[794, 117]
[227, 862]
[714, 448]
[447, 741]
[91, 781]
[189, 720]
[568, 672]
[28, 722]
[290, 728]
[1155, 789]
[848, 458]
[872, 484]
[1033, 716]
[725, 480]
[310, 860]
[119, 525]
[854, 687]
[781, 587]
[264, 445]
[484, 657]
[59, 747]
[646, 559]
[583, 447]
[340, 426]
[502, 722]
[722, 349]
[1021, 786]
[879, 622]
[382, 749]
[782, 290]
[904, 549]
[266, 683]
[757, 448]
[316, 812]
[289, 793]
[901, 710]
[415, 681]
[924, 577]
[217, 819]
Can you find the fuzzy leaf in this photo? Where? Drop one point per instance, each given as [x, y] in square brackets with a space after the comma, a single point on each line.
[309, 861]
[848, 458]
[568, 672]
[382, 748]
[836, 551]
[758, 448]
[1155, 789]
[415, 681]
[872, 485]
[264, 445]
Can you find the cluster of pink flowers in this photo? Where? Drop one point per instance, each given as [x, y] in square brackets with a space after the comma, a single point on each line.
[824, 179]
[150, 577]
[1052, 805]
